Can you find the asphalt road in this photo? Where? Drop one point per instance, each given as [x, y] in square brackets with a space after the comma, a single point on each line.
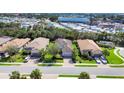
[65, 70]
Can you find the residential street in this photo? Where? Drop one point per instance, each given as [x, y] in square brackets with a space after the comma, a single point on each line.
[65, 70]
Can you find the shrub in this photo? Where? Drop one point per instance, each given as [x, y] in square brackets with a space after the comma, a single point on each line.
[84, 75]
[14, 75]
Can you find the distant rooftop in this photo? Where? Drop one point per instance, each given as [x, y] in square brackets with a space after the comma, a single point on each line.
[76, 20]
[4, 39]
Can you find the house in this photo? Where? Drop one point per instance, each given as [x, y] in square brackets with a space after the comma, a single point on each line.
[19, 43]
[4, 39]
[36, 45]
[89, 46]
[65, 46]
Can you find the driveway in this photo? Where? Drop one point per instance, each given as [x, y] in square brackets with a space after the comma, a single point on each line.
[121, 51]
[68, 62]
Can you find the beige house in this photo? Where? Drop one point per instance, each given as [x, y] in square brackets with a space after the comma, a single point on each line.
[36, 45]
[19, 43]
[89, 46]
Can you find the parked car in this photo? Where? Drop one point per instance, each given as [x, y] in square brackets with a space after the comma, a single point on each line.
[103, 59]
[97, 60]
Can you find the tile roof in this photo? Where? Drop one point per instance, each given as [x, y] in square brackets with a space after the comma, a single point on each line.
[16, 42]
[65, 44]
[88, 45]
[38, 43]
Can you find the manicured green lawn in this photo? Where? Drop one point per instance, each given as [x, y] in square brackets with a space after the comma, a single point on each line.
[88, 61]
[59, 61]
[82, 65]
[68, 75]
[112, 58]
[115, 77]
[44, 64]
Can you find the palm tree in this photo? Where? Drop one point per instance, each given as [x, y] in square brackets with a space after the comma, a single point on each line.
[14, 75]
[84, 75]
[36, 74]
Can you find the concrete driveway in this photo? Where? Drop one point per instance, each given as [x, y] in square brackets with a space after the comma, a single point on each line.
[68, 62]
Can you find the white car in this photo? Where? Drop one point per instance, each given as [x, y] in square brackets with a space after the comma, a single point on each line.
[27, 58]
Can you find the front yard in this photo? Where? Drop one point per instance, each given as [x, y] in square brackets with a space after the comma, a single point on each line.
[112, 58]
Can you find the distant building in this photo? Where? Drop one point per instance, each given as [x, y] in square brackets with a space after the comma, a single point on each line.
[74, 20]
[65, 45]
[89, 46]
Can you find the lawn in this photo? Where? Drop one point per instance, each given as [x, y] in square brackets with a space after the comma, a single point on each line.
[51, 64]
[88, 61]
[115, 77]
[82, 65]
[112, 58]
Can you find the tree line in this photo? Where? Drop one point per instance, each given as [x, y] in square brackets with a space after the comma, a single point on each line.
[42, 30]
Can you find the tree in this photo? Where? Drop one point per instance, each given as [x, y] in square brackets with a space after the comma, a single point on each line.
[106, 52]
[36, 74]
[12, 50]
[48, 57]
[14, 75]
[16, 58]
[53, 49]
[84, 75]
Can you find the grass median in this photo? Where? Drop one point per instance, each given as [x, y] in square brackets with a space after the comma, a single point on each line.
[9, 64]
[118, 66]
[83, 65]
[115, 77]
[47, 64]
